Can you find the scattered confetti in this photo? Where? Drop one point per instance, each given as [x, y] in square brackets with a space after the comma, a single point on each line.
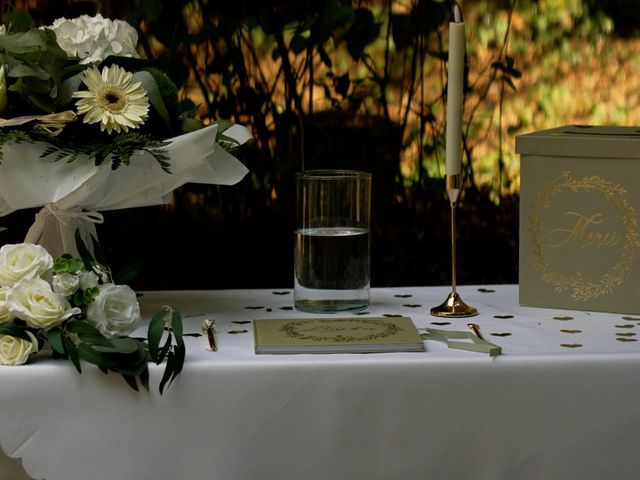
[406, 295]
[440, 323]
[411, 305]
[504, 317]
[564, 319]
[391, 315]
[281, 293]
[571, 345]
[625, 339]
[269, 309]
[191, 334]
[631, 319]
[486, 290]
[254, 308]
[500, 334]
[241, 322]
[286, 308]
[570, 330]
[625, 334]
[626, 325]
[361, 313]
[234, 332]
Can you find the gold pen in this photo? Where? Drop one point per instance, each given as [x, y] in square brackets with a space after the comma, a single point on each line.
[209, 327]
[475, 329]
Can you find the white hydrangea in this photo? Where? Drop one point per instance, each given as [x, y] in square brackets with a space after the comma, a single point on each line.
[92, 39]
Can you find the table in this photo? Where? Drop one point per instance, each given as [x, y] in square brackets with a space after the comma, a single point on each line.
[560, 403]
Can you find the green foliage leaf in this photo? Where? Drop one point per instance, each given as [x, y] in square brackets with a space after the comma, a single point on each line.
[91, 355]
[154, 335]
[83, 251]
[17, 21]
[14, 330]
[153, 92]
[127, 274]
[168, 372]
[72, 350]
[67, 264]
[82, 327]
[131, 381]
[54, 337]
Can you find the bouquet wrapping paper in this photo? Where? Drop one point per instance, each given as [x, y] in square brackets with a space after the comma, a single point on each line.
[71, 194]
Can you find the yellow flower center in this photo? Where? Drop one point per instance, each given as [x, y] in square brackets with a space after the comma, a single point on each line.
[112, 99]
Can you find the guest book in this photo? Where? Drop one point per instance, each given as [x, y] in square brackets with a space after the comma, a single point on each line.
[337, 335]
[579, 229]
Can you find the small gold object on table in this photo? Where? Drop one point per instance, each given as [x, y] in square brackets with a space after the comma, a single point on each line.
[453, 306]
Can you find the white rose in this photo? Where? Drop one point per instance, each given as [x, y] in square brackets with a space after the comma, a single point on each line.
[88, 280]
[92, 39]
[16, 351]
[66, 284]
[37, 304]
[115, 311]
[4, 311]
[23, 261]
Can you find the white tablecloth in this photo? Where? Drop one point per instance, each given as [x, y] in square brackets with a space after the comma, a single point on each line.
[546, 409]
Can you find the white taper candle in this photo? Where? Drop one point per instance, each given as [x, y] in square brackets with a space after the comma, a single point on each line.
[455, 82]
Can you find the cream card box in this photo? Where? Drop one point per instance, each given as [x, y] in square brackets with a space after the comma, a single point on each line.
[579, 228]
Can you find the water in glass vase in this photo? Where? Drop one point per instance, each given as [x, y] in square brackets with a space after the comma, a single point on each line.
[331, 269]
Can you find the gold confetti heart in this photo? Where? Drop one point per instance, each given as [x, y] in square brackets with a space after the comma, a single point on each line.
[570, 330]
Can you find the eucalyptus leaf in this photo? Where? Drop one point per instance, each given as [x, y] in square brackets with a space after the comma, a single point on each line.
[67, 88]
[153, 92]
[26, 70]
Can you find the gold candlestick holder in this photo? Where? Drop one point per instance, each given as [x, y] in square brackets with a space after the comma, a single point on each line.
[453, 306]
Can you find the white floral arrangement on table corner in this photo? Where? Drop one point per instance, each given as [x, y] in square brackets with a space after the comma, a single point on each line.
[73, 306]
[77, 92]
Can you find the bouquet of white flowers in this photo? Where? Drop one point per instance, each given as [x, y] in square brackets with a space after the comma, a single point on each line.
[72, 305]
[76, 104]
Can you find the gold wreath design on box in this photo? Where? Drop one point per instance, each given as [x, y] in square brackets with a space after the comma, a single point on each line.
[582, 287]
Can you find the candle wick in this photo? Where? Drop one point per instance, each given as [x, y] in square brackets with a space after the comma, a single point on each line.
[457, 13]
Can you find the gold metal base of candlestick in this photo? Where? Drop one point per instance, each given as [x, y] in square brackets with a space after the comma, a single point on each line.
[454, 307]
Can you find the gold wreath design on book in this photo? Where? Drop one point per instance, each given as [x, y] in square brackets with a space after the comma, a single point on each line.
[583, 288]
[361, 329]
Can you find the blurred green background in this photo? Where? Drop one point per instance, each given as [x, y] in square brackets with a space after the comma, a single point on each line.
[360, 84]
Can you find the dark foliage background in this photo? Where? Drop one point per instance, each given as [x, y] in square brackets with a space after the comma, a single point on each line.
[242, 236]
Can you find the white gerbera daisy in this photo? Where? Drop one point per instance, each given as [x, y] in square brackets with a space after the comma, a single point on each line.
[113, 99]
